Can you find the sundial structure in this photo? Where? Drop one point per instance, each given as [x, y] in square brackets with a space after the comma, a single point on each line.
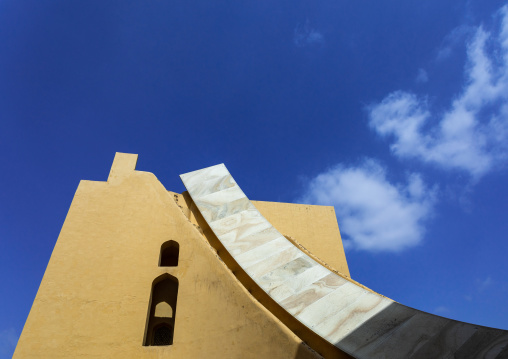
[139, 271]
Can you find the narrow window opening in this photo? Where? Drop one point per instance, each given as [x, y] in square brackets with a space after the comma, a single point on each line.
[163, 335]
[162, 311]
[169, 254]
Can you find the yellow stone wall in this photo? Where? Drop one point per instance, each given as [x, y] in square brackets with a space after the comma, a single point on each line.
[94, 297]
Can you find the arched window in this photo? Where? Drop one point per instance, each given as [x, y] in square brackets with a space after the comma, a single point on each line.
[169, 254]
[160, 325]
[162, 335]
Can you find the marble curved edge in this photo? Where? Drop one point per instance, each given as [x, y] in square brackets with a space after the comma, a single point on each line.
[359, 322]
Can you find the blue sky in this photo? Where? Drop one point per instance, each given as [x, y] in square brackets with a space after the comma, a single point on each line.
[395, 112]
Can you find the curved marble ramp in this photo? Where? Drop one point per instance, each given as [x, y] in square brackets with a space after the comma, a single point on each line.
[359, 322]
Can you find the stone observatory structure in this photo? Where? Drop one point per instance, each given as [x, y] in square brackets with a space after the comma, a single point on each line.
[142, 272]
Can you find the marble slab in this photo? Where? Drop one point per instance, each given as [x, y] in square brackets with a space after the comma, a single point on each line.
[208, 180]
[298, 303]
[339, 299]
[297, 283]
[339, 325]
[263, 252]
[378, 328]
[407, 338]
[362, 323]
[291, 269]
[253, 240]
[272, 262]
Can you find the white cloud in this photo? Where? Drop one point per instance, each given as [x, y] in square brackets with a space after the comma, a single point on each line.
[304, 35]
[422, 76]
[453, 40]
[373, 214]
[8, 341]
[472, 134]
